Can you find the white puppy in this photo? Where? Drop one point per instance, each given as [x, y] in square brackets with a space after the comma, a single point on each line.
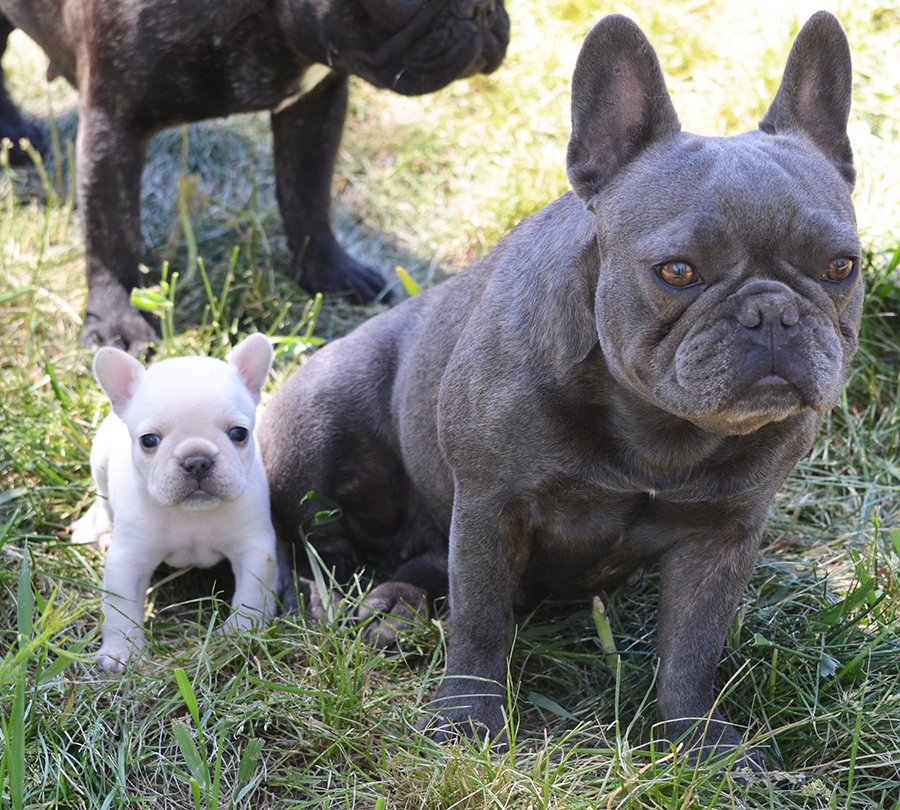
[179, 480]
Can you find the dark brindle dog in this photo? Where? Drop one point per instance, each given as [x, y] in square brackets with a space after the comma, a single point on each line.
[626, 380]
[143, 65]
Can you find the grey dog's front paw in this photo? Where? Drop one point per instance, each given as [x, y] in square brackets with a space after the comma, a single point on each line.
[389, 610]
[716, 741]
[470, 708]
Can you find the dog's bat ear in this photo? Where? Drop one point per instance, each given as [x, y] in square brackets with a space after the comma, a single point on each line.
[815, 93]
[252, 359]
[620, 104]
[119, 375]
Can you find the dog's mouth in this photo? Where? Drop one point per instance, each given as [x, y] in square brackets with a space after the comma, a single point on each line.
[776, 396]
[740, 379]
[773, 384]
[200, 499]
[770, 399]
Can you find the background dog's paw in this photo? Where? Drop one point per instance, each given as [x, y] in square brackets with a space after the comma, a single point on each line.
[752, 762]
[14, 127]
[326, 267]
[389, 610]
[715, 741]
[123, 327]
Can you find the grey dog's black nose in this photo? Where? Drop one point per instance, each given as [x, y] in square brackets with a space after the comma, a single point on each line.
[768, 309]
[198, 466]
[467, 9]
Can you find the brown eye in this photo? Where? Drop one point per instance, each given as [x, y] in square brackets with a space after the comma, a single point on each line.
[839, 269]
[677, 274]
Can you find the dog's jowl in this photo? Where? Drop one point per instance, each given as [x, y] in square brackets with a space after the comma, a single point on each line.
[142, 65]
[625, 381]
[179, 480]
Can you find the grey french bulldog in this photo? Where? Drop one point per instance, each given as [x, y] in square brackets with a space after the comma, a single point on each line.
[143, 65]
[624, 381]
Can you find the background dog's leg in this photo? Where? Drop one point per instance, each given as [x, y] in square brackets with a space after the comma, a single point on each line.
[12, 125]
[110, 159]
[306, 136]
[700, 589]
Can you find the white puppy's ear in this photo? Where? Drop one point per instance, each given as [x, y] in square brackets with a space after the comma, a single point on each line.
[252, 359]
[119, 375]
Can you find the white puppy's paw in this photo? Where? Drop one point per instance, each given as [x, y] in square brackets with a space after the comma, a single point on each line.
[114, 654]
[225, 629]
[113, 660]
[243, 618]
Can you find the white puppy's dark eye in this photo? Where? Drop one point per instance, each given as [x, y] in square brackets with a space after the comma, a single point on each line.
[839, 270]
[677, 274]
[238, 434]
[150, 441]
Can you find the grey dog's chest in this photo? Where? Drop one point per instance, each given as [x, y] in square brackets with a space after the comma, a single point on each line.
[587, 537]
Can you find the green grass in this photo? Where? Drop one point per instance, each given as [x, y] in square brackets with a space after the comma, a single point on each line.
[308, 716]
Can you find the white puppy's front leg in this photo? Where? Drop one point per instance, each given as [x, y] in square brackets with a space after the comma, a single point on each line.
[125, 583]
[255, 578]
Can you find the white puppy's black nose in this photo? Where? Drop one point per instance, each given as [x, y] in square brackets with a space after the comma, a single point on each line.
[198, 466]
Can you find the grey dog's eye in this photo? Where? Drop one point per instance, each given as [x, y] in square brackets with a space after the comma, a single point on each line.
[238, 435]
[677, 274]
[150, 441]
[839, 269]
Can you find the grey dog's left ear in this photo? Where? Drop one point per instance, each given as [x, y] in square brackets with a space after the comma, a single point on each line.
[815, 93]
[620, 104]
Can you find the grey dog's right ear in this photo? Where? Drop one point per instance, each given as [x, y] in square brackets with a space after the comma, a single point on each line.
[815, 92]
[119, 375]
[620, 104]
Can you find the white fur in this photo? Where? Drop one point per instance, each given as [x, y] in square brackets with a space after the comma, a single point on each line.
[309, 80]
[162, 504]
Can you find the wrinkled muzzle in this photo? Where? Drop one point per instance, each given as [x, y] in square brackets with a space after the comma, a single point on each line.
[437, 42]
[770, 354]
